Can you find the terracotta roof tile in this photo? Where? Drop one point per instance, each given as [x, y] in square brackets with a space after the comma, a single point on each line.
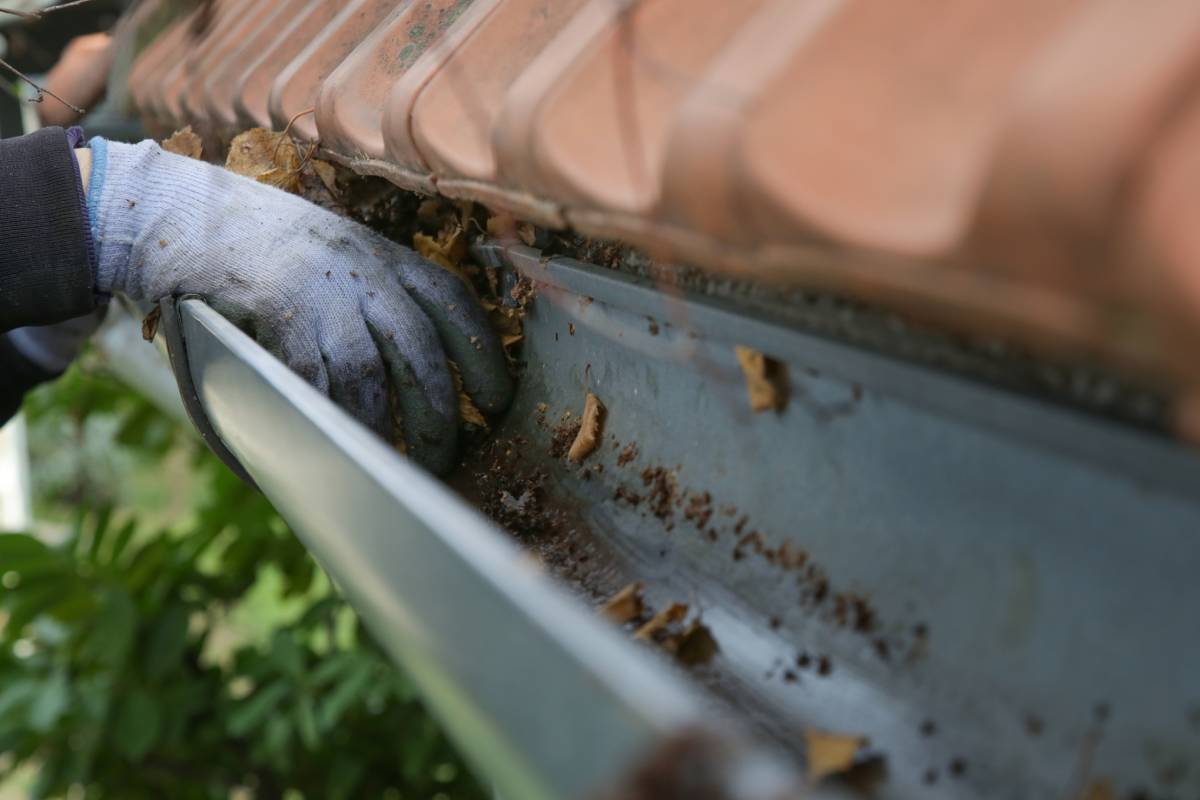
[253, 85]
[1024, 168]
[297, 86]
[1075, 135]
[227, 16]
[220, 84]
[446, 124]
[350, 109]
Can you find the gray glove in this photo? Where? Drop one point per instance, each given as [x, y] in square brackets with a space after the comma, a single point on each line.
[347, 309]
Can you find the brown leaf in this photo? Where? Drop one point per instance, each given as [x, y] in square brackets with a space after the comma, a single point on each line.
[672, 613]
[327, 173]
[150, 324]
[830, 753]
[467, 409]
[589, 429]
[526, 233]
[267, 157]
[448, 249]
[696, 645]
[184, 142]
[501, 226]
[766, 379]
[625, 605]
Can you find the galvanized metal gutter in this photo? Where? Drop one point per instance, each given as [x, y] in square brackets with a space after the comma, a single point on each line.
[1047, 557]
[543, 697]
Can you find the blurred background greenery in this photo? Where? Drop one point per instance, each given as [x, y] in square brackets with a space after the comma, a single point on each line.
[164, 634]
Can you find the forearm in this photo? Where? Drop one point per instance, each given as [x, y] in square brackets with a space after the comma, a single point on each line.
[46, 263]
[46, 273]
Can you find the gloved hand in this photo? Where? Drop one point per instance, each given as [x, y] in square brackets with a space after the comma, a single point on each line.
[347, 309]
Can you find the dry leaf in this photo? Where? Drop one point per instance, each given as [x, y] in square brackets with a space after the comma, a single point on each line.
[501, 226]
[447, 249]
[1098, 789]
[830, 753]
[625, 605]
[467, 410]
[765, 379]
[267, 157]
[589, 430]
[526, 233]
[673, 613]
[695, 646]
[150, 323]
[327, 173]
[184, 142]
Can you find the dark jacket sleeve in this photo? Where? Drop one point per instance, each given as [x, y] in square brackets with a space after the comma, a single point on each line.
[17, 376]
[45, 245]
[45, 250]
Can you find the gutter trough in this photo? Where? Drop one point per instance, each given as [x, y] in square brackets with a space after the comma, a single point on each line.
[996, 593]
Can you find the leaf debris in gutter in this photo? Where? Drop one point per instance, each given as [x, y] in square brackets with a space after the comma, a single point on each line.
[626, 605]
[766, 380]
[830, 753]
[589, 429]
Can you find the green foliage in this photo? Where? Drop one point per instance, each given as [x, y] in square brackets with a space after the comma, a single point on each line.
[123, 673]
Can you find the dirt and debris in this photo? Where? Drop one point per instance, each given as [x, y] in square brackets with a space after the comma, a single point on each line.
[184, 142]
[626, 605]
[588, 436]
[563, 434]
[698, 509]
[830, 753]
[625, 494]
[511, 494]
[661, 486]
[766, 380]
[628, 454]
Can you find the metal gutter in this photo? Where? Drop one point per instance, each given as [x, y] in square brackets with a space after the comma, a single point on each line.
[1029, 568]
[545, 699]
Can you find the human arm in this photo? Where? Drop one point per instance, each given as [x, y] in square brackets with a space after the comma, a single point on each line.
[364, 320]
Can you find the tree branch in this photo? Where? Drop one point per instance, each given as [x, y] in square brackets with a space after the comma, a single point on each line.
[41, 91]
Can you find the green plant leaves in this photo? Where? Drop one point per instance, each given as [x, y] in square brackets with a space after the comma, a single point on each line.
[138, 723]
[49, 703]
[167, 641]
[113, 628]
[254, 710]
[190, 656]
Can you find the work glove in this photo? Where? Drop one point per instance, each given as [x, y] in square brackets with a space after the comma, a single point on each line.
[348, 310]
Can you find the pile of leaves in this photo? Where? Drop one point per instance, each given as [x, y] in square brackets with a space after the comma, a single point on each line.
[119, 675]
